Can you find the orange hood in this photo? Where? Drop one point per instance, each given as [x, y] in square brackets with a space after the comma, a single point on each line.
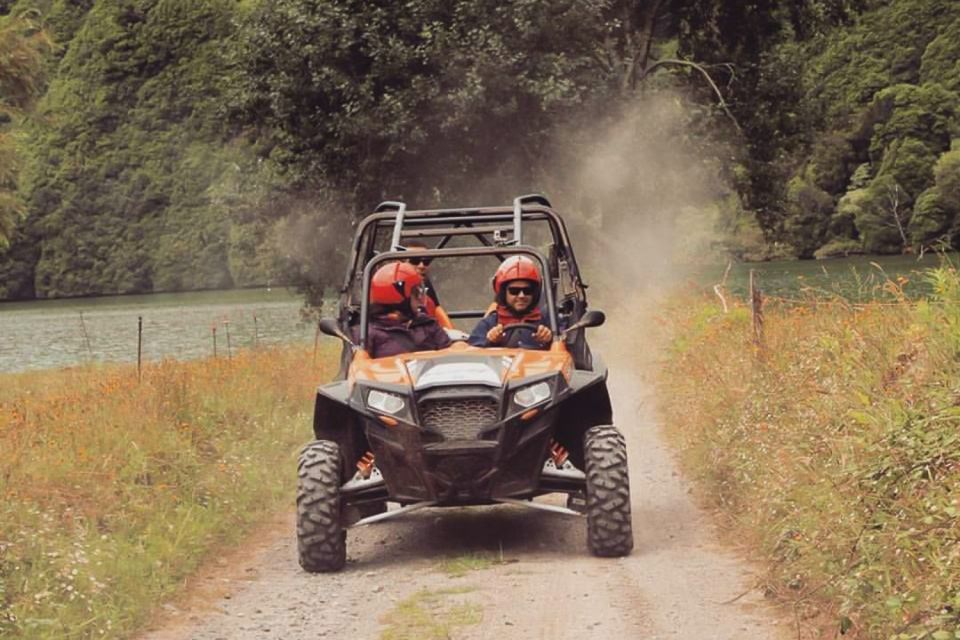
[461, 364]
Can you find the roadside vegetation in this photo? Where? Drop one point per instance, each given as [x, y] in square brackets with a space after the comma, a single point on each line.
[112, 490]
[832, 449]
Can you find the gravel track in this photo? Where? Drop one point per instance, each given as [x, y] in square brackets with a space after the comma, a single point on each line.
[538, 580]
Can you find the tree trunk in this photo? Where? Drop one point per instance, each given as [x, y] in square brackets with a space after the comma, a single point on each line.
[628, 51]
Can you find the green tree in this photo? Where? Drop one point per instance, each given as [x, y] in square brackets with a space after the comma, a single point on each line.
[937, 211]
[808, 209]
[61, 18]
[947, 176]
[931, 218]
[843, 237]
[118, 180]
[884, 216]
[941, 59]
[416, 99]
[927, 113]
[22, 48]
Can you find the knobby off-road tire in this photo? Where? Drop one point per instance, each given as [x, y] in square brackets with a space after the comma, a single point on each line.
[609, 528]
[321, 540]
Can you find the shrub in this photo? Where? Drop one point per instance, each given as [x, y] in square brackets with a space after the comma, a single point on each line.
[839, 247]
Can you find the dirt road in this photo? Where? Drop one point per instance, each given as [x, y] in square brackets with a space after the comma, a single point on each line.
[497, 572]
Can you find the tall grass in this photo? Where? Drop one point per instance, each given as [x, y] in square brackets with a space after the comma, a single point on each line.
[113, 489]
[834, 450]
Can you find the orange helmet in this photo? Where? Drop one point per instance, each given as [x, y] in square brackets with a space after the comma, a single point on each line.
[393, 283]
[516, 268]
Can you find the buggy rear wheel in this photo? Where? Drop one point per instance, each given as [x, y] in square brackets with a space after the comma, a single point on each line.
[609, 527]
[321, 540]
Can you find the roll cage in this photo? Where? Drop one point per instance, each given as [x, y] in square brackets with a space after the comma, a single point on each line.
[499, 231]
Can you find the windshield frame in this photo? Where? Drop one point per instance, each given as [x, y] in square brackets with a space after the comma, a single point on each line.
[499, 251]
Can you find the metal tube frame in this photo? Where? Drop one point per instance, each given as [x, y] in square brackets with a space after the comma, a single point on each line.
[398, 225]
[457, 218]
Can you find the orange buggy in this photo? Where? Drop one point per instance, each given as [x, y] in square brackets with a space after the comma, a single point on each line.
[463, 425]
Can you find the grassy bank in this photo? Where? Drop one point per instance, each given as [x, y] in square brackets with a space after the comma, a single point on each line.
[113, 489]
[833, 450]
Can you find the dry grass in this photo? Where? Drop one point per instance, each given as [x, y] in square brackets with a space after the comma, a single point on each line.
[834, 449]
[114, 489]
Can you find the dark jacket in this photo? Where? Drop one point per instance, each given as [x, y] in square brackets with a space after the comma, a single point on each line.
[431, 292]
[432, 300]
[521, 338]
[388, 336]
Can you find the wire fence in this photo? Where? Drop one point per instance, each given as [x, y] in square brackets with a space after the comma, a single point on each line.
[41, 339]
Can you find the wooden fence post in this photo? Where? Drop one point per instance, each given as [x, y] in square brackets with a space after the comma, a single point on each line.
[86, 336]
[756, 310]
[139, 347]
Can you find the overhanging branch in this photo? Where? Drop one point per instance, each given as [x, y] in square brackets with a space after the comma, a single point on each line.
[705, 73]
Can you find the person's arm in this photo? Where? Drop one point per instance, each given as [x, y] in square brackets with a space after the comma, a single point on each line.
[478, 337]
[442, 318]
[543, 335]
[437, 337]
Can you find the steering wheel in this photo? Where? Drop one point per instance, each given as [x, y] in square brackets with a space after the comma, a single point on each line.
[517, 326]
[508, 332]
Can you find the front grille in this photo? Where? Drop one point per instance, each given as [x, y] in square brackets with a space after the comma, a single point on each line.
[458, 419]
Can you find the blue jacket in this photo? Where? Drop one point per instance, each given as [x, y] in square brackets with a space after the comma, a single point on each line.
[519, 339]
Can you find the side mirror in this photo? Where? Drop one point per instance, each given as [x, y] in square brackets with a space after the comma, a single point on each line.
[592, 318]
[330, 327]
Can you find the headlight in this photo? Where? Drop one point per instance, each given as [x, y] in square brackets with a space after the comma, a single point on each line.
[385, 402]
[531, 395]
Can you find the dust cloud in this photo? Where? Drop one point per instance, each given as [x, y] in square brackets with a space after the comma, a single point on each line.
[637, 191]
[313, 237]
[640, 197]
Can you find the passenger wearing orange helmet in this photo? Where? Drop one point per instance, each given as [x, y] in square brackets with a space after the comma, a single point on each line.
[396, 324]
[517, 284]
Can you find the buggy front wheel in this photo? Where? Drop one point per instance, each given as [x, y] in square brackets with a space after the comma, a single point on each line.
[321, 540]
[609, 527]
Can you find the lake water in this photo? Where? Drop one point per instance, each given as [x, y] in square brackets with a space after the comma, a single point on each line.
[858, 278]
[55, 333]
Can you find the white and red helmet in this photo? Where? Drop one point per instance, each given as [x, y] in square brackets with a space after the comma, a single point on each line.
[516, 268]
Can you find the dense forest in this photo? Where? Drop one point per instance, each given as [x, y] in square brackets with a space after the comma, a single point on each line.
[157, 145]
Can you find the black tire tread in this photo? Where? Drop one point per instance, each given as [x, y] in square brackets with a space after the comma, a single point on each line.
[321, 540]
[609, 526]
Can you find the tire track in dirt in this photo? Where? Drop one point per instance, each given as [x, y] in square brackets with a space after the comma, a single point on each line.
[539, 580]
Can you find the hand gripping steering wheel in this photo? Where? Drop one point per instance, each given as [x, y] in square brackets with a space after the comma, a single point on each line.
[519, 325]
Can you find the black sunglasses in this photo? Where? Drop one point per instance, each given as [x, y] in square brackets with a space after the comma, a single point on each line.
[516, 291]
[418, 261]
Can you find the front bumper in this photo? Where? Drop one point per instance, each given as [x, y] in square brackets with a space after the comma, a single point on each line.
[505, 460]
